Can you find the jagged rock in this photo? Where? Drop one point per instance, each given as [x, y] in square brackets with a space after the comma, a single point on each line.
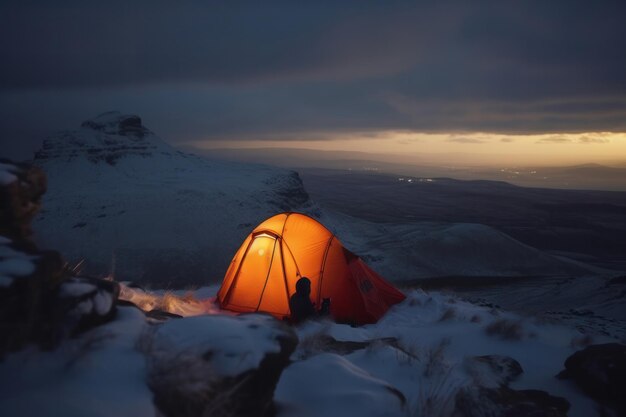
[218, 365]
[506, 402]
[116, 123]
[105, 138]
[21, 188]
[493, 370]
[38, 304]
[600, 370]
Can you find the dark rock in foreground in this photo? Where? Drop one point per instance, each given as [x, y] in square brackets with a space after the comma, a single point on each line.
[40, 302]
[217, 365]
[506, 402]
[600, 370]
[493, 370]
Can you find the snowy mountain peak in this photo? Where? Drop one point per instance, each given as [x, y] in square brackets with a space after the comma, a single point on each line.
[104, 138]
[116, 123]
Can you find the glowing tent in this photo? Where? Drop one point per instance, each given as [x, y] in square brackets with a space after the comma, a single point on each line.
[263, 274]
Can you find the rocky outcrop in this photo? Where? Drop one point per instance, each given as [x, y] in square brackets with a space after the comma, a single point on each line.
[217, 365]
[493, 370]
[490, 395]
[21, 189]
[40, 302]
[506, 402]
[105, 138]
[600, 371]
[116, 123]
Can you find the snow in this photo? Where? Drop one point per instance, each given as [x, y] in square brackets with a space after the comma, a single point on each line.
[427, 250]
[154, 212]
[236, 344]
[13, 263]
[100, 374]
[331, 385]
[16, 267]
[7, 174]
[418, 356]
[7, 178]
[151, 210]
[430, 357]
[76, 289]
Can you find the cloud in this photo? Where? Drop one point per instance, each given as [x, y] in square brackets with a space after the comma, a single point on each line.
[465, 140]
[223, 70]
[590, 138]
[554, 139]
[507, 140]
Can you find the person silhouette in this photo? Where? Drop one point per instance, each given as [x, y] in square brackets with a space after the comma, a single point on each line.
[300, 302]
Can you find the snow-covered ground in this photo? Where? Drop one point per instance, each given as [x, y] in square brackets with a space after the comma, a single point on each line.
[420, 250]
[126, 202]
[412, 362]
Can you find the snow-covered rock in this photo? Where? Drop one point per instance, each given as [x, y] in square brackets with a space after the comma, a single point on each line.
[127, 202]
[218, 365]
[493, 370]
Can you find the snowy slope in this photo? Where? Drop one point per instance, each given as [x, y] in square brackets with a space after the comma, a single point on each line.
[119, 196]
[419, 250]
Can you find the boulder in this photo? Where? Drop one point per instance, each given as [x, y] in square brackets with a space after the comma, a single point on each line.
[493, 370]
[600, 371]
[506, 402]
[217, 365]
[21, 188]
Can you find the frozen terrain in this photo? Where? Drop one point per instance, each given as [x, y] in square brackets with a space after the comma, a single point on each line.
[128, 203]
[131, 205]
[413, 362]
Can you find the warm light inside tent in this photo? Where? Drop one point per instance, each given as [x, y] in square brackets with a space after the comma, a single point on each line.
[263, 274]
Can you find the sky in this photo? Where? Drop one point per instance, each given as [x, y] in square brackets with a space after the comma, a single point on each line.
[543, 79]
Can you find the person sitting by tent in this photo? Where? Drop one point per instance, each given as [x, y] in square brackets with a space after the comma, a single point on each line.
[300, 302]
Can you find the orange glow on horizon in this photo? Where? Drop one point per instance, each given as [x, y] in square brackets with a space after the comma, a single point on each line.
[472, 148]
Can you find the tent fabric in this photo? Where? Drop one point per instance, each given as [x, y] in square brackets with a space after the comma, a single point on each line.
[263, 273]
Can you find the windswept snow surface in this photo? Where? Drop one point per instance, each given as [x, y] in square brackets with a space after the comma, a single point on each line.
[98, 374]
[13, 263]
[436, 335]
[418, 372]
[237, 343]
[421, 250]
[127, 202]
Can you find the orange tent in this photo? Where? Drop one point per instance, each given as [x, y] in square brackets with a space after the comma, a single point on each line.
[263, 274]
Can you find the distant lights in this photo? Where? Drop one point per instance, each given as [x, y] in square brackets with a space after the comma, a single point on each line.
[411, 180]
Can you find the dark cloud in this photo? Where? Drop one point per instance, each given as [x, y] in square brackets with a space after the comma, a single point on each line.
[206, 70]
